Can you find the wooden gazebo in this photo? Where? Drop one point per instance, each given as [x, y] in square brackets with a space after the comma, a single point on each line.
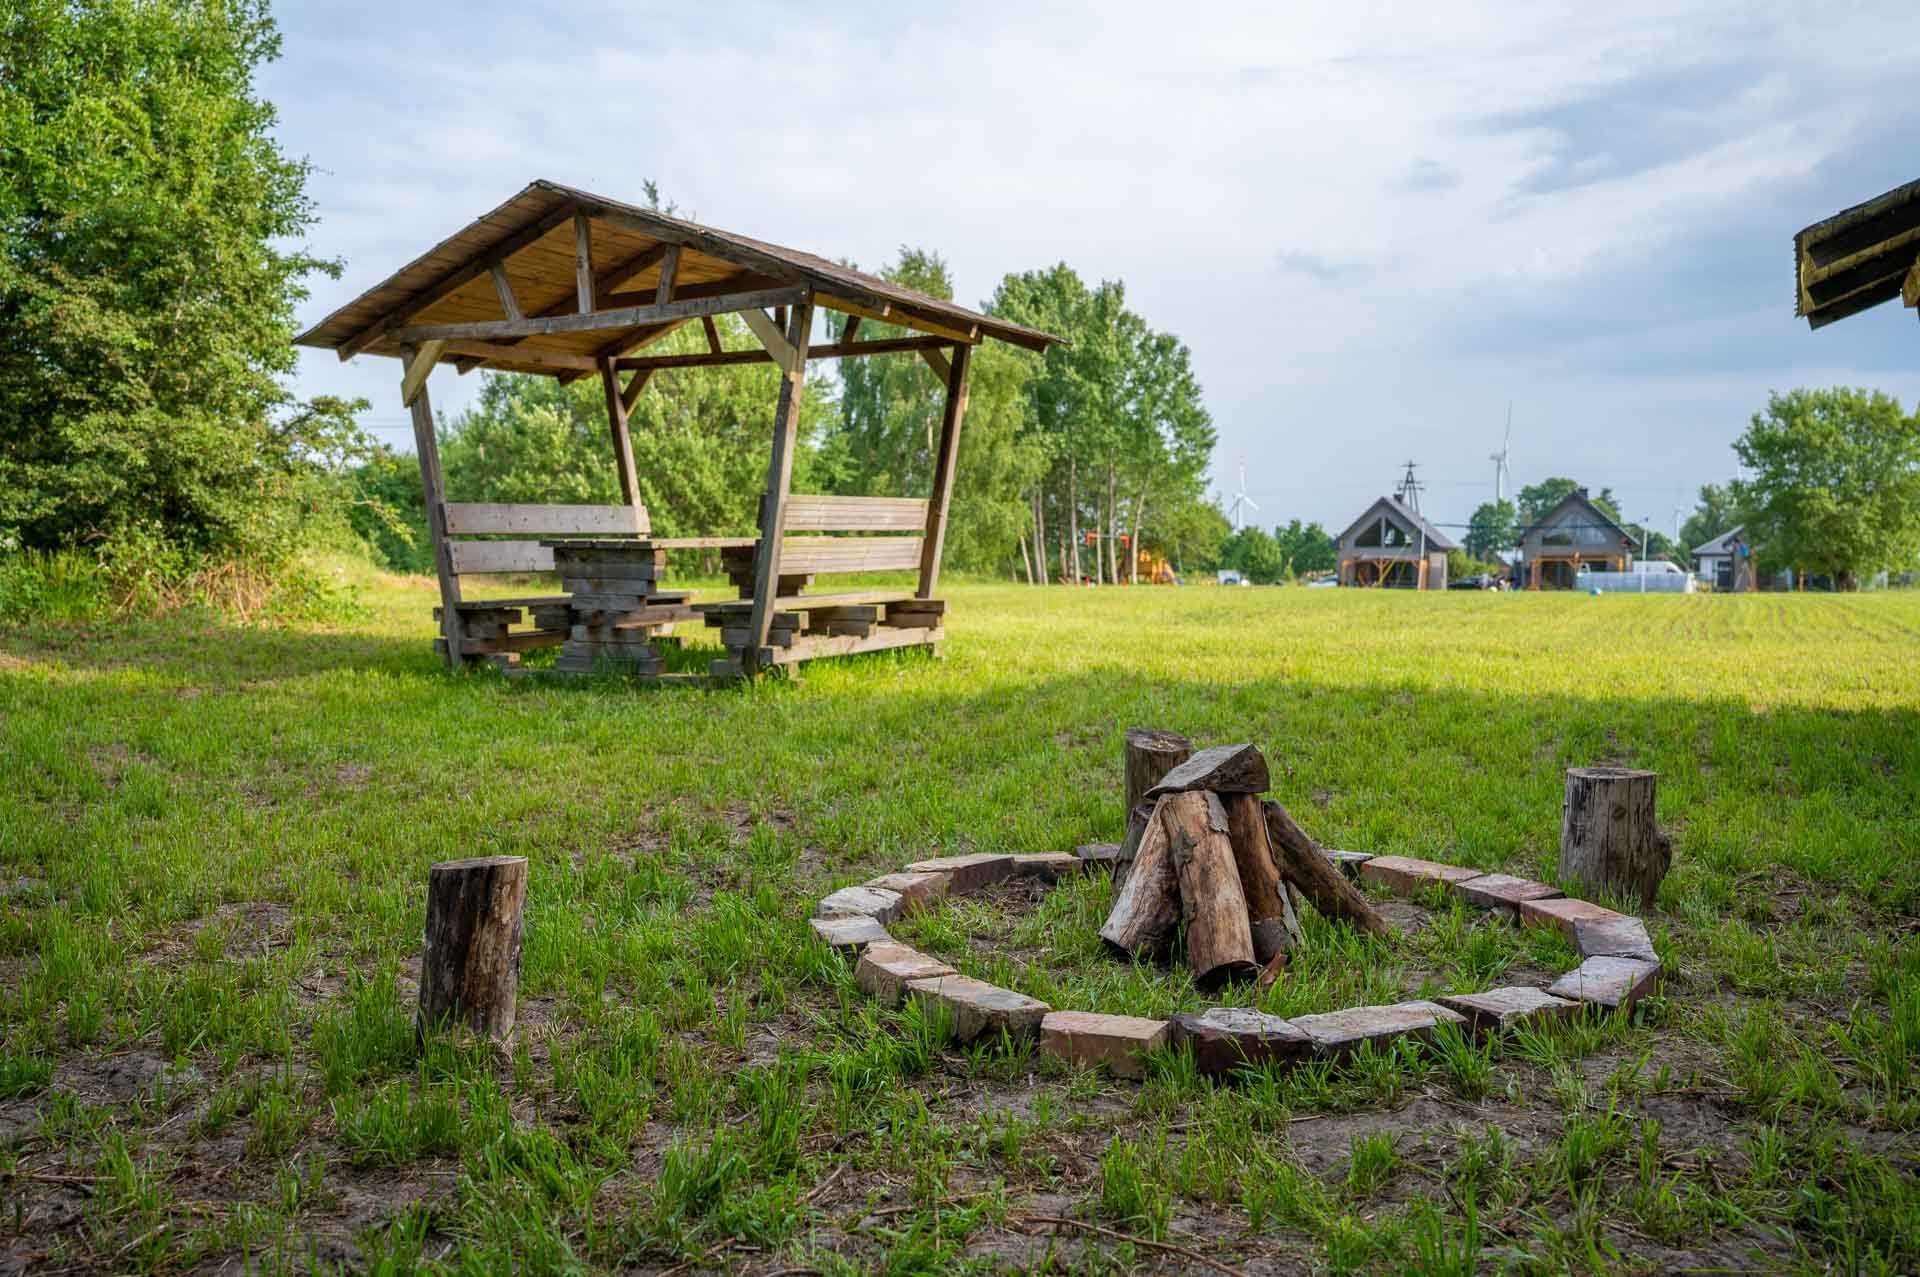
[560, 282]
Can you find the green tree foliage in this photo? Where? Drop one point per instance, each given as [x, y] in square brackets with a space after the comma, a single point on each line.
[1254, 554]
[1716, 513]
[884, 439]
[147, 289]
[1493, 526]
[1306, 549]
[1119, 414]
[1835, 483]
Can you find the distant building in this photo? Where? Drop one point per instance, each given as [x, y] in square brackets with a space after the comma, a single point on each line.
[1573, 535]
[1394, 546]
[1726, 562]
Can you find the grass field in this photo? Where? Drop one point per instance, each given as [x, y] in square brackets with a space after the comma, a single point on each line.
[214, 845]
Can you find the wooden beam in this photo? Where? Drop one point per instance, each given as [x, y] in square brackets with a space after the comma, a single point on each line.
[837, 350]
[414, 369]
[936, 535]
[475, 353]
[713, 335]
[773, 521]
[426, 447]
[453, 280]
[503, 288]
[669, 267]
[779, 349]
[622, 442]
[892, 314]
[625, 317]
[1910, 288]
[936, 361]
[631, 395]
[583, 261]
[848, 329]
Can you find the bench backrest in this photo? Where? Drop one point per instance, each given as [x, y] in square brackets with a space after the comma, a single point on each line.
[536, 522]
[811, 514]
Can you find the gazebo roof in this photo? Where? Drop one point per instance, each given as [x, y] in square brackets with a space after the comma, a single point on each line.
[1859, 257]
[534, 252]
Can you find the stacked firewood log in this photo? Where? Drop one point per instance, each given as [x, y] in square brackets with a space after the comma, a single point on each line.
[1207, 859]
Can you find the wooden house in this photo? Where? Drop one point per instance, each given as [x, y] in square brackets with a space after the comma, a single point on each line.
[1393, 545]
[1574, 534]
[564, 283]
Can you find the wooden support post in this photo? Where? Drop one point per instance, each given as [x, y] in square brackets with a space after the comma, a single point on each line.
[631, 395]
[1150, 754]
[470, 970]
[935, 539]
[669, 267]
[583, 262]
[503, 288]
[426, 447]
[1608, 838]
[617, 423]
[713, 335]
[773, 509]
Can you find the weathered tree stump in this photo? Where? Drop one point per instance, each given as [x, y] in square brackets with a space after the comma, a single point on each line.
[1275, 927]
[1151, 754]
[1146, 906]
[1219, 937]
[470, 971]
[1608, 839]
[1303, 864]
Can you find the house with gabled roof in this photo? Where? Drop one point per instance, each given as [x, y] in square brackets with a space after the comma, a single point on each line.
[1393, 545]
[1575, 534]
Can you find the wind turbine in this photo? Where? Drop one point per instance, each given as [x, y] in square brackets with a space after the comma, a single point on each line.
[1502, 476]
[1241, 501]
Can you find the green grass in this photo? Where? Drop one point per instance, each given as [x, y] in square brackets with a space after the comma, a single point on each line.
[215, 843]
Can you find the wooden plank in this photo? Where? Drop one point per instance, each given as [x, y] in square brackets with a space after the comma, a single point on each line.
[426, 447]
[503, 289]
[416, 366]
[631, 395]
[773, 522]
[937, 361]
[483, 518]
[625, 317]
[796, 602]
[617, 427]
[808, 647]
[936, 533]
[778, 348]
[583, 261]
[848, 329]
[499, 556]
[837, 350]
[850, 554]
[482, 352]
[669, 267]
[456, 278]
[818, 513]
[899, 315]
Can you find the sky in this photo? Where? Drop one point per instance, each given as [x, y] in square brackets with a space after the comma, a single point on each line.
[1378, 227]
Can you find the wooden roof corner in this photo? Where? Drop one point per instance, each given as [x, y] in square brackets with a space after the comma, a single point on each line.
[1858, 258]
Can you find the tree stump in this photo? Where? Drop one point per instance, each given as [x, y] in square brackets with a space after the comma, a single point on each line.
[470, 971]
[1151, 754]
[1608, 839]
[1146, 906]
[1212, 903]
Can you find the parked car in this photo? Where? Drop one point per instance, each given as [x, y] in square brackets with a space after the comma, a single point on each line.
[1478, 581]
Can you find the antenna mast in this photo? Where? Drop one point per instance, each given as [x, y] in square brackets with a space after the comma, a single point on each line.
[1408, 493]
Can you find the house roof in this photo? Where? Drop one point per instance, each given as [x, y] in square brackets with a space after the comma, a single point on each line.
[1436, 539]
[1859, 257]
[1722, 544]
[531, 238]
[1579, 496]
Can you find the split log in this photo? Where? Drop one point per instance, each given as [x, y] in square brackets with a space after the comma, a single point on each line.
[1608, 839]
[1137, 821]
[1224, 769]
[1212, 904]
[1151, 754]
[1275, 926]
[1146, 907]
[470, 971]
[1303, 864]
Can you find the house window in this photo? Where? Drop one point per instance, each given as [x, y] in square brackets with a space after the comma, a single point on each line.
[1371, 537]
